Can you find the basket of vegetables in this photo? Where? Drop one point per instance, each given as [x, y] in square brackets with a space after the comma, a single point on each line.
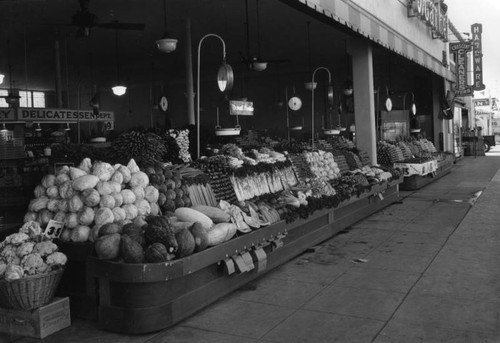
[30, 269]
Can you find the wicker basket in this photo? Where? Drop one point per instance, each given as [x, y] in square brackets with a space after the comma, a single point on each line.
[29, 292]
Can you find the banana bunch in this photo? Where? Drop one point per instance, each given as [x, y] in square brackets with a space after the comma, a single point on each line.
[265, 211]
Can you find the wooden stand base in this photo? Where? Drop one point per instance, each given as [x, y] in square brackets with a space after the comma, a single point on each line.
[415, 182]
[141, 298]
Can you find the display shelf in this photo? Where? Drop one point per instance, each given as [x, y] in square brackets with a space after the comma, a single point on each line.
[140, 298]
[415, 182]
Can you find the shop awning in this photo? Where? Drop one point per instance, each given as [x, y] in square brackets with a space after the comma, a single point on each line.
[344, 13]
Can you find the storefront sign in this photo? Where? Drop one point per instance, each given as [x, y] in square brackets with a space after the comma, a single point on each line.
[477, 46]
[7, 114]
[240, 108]
[460, 50]
[62, 115]
[481, 102]
[429, 11]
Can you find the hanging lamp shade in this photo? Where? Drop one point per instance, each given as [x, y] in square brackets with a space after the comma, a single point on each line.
[2, 76]
[225, 77]
[67, 128]
[119, 90]
[38, 127]
[166, 44]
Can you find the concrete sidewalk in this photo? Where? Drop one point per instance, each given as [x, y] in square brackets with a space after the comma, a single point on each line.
[423, 270]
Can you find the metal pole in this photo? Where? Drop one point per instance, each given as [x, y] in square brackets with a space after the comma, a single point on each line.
[287, 118]
[189, 74]
[198, 86]
[312, 96]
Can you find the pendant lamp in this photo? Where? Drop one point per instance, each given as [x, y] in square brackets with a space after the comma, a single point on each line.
[166, 44]
[119, 89]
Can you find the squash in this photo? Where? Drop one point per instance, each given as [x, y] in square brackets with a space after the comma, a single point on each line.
[177, 226]
[130, 250]
[108, 247]
[216, 214]
[220, 233]
[200, 237]
[85, 181]
[158, 230]
[186, 214]
[134, 231]
[157, 253]
[110, 228]
[185, 242]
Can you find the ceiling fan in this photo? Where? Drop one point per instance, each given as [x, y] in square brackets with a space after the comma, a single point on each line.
[86, 21]
[253, 62]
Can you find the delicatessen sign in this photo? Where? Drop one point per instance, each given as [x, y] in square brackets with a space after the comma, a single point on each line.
[62, 115]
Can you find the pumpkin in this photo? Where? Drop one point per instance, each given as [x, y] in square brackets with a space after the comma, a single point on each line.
[158, 230]
[134, 231]
[157, 253]
[185, 243]
[130, 250]
[110, 228]
[108, 247]
[200, 237]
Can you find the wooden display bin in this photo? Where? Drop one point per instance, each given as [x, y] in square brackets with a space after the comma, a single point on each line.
[141, 298]
[73, 283]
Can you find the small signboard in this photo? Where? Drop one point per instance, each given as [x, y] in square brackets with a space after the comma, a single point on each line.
[241, 108]
[53, 229]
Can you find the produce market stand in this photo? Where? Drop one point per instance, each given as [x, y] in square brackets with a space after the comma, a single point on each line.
[141, 298]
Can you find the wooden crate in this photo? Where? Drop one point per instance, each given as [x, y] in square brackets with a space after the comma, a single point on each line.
[38, 323]
[141, 298]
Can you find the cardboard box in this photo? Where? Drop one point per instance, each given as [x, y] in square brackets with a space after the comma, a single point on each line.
[38, 323]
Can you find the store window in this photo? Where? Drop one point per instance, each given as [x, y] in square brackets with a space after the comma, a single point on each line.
[28, 99]
[3, 103]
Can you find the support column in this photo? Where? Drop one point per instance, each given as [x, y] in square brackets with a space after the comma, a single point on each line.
[364, 102]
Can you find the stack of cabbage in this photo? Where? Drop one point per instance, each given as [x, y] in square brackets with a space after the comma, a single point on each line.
[25, 253]
[94, 194]
[322, 164]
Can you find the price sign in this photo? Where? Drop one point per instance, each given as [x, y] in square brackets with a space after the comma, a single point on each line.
[53, 229]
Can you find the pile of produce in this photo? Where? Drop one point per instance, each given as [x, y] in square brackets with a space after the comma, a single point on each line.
[161, 238]
[182, 139]
[216, 168]
[322, 164]
[28, 252]
[146, 148]
[168, 180]
[402, 150]
[92, 195]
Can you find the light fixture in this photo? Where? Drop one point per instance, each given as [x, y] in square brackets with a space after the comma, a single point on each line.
[38, 127]
[2, 76]
[310, 85]
[119, 90]
[225, 78]
[330, 98]
[67, 128]
[4, 127]
[259, 65]
[388, 101]
[166, 44]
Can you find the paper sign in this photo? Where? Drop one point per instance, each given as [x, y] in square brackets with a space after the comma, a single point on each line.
[54, 229]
